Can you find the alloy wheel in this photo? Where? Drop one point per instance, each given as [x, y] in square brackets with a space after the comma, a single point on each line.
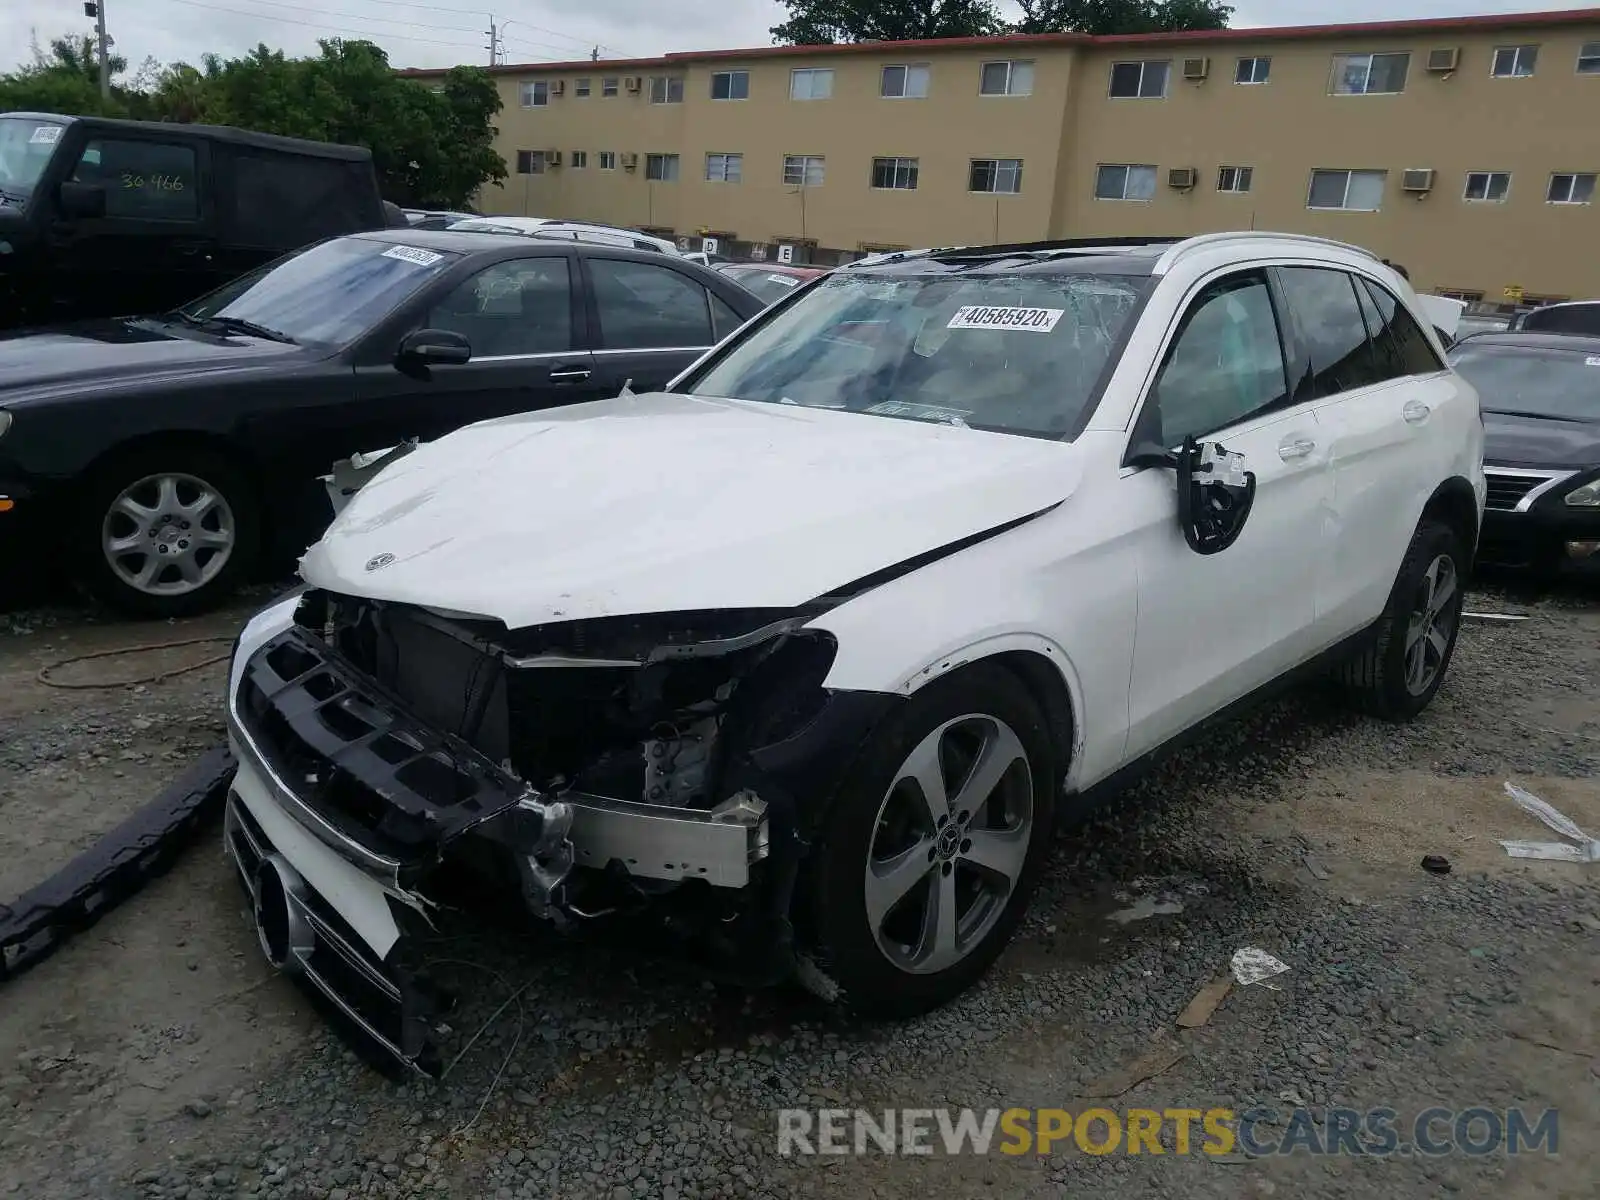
[168, 534]
[1431, 624]
[949, 843]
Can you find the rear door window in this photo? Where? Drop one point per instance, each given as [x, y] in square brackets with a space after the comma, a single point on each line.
[1402, 346]
[1337, 351]
[643, 306]
[143, 180]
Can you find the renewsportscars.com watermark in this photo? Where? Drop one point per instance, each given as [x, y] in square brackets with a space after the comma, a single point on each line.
[1374, 1132]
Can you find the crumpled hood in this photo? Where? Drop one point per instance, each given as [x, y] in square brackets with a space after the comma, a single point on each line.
[86, 356]
[1516, 441]
[666, 503]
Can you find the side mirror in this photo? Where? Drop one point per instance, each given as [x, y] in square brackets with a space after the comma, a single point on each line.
[433, 347]
[82, 200]
[1215, 494]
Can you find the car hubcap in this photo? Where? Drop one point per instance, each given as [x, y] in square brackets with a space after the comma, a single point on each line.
[949, 843]
[168, 534]
[1432, 623]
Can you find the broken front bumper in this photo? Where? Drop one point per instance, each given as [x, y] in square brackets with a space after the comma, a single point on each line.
[343, 804]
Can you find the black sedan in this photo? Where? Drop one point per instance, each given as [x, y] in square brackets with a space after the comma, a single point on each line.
[165, 453]
[1541, 413]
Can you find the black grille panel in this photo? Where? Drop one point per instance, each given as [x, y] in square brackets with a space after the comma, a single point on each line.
[1505, 491]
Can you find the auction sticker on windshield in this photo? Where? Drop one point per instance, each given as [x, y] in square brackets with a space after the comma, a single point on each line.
[988, 316]
[412, 254]
[45, 135]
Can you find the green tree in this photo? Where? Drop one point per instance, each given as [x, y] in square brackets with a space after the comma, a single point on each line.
[814, 22]
[430, 144]
[1121, 16]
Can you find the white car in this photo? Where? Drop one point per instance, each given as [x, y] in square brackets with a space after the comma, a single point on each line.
[803, 657]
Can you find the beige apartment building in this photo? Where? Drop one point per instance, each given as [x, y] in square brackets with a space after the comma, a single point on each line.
[1466, 148]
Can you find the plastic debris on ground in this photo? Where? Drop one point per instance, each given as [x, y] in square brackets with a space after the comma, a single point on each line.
[1252, 966]
[1478, 616]
[1579, 847]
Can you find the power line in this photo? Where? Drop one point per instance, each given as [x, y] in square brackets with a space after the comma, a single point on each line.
[362, 33]
[566, 37]
[328, 12]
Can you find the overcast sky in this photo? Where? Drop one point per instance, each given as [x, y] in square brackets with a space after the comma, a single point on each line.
[451, 31]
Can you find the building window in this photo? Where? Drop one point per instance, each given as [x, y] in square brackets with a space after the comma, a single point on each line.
[663, 168]
[802, 170]
[810, 83]
[1589, 59]
[1252, 70]
[1571, 189]
[1234, 179]
[1123, 181]
[1001, 176]
[608, 86]
[535, 93]
[1489, 186]
[580, 87]
[730, 85]
[1369, 74]
[666, 89]
[1006, 79]
[1139, 80]
[580, 159]
[895, 174]
[530, 162]
[1358, 191]
[606, 160]
[904, 82]
[1514, 62]
[724, 168]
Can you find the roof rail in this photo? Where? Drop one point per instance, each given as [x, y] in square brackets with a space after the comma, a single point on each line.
[1201, 241]
[1000, 250]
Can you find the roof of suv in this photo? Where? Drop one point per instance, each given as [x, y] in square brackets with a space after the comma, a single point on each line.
[1148, 255]
[482, 241]
[218, 133]
[1517, 339]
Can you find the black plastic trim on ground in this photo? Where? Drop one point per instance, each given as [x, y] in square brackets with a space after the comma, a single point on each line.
[36, 925]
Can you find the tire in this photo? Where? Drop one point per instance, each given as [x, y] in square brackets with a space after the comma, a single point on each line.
[879, 816]
[1383, 679]
[141, 501]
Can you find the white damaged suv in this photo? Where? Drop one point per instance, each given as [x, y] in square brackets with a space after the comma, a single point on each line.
[802, 658]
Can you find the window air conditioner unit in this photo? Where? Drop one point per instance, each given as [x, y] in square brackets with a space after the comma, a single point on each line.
[630, 161]
[1196, 68]
[552, 158]
[1181, 178]
[1444, 59]
[1417, 179]
[633, 83]
[558, 87]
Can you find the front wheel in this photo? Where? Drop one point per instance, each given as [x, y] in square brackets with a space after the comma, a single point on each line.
[165, 533]
[1397, 675]
[931, 850]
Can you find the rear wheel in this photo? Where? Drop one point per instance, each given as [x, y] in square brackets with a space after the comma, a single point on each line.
[167, 532]
[932, 850]
[1397, 675]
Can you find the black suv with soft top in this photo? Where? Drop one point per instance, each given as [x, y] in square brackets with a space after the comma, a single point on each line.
[99, 218]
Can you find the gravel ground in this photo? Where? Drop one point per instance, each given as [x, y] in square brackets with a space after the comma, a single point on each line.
[155, 1057]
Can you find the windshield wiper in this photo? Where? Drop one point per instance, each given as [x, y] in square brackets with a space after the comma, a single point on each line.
[232, 325]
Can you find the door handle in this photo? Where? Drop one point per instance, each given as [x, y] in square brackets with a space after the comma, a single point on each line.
[568, 374]
[1293, 447]
[1415, 412]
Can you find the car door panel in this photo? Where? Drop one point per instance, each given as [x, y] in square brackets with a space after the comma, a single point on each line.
[523, 320]
[1375, 411]
[1213, 628]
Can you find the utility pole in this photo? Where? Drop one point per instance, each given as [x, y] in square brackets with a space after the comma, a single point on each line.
[494, 42]
[594, 55]
[97, 10]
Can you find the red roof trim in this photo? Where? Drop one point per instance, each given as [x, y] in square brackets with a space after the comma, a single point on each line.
[1357, 30]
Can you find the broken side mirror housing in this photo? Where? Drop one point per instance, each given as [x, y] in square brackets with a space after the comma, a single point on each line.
[433, 347]
[84, 201]
[1215, 495]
